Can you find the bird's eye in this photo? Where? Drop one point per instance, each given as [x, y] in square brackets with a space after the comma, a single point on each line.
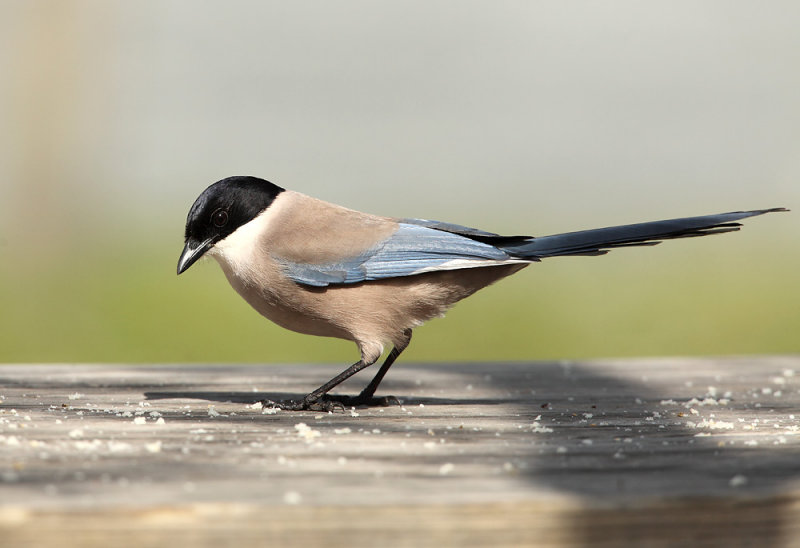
[219, 218]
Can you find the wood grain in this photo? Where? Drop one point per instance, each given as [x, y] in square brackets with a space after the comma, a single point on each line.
[648, 452]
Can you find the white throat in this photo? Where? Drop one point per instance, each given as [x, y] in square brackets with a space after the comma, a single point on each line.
[237, 252]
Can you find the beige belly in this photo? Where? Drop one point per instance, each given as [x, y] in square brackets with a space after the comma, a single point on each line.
[379, 310]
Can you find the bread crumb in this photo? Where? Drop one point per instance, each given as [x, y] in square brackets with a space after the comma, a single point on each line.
[118, 446]
[737, 481]
[305, 432]
[153, 447]
[292, 497]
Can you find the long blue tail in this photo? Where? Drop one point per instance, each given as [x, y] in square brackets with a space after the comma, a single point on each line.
[601, 240]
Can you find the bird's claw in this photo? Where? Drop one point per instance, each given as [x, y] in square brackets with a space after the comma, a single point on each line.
[330, 404]
[322, 404]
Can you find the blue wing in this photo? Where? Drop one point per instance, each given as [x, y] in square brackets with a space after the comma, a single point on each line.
[412, 249]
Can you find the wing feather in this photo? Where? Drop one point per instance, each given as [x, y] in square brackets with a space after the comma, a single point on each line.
[412, 249]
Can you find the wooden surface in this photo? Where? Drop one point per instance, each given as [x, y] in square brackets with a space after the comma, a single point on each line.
[652, 452]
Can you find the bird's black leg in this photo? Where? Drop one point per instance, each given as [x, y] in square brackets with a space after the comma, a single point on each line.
[316, 400]
[367, 396]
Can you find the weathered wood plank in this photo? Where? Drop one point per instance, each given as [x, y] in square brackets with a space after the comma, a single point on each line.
[640, 452]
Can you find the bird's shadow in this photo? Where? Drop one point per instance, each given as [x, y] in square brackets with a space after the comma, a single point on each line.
[247, 398]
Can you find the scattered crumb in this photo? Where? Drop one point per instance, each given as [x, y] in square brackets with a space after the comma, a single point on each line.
[341, 431]
[738, 481]
[446, 468]
[717, 425]
[213, 412]
[84, 445]
[118, 446]
[76, 396]
[292, 497]
[153, 447]
[305, 432]
[139, 420]
[707, 401]
[539, 429]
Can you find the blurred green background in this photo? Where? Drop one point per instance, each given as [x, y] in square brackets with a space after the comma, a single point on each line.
[518, 117]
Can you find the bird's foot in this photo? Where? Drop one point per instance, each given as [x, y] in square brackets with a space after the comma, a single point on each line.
[324, 404]
[329, 404]
[366, 401]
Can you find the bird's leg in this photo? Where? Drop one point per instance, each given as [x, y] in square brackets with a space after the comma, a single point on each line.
[316, 400]
[367, 396]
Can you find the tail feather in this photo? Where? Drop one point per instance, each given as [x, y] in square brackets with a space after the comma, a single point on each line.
[601, 240]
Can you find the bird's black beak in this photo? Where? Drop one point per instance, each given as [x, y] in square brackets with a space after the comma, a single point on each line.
[193, 251]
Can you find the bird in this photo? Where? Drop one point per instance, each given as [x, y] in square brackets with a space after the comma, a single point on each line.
[322, 269]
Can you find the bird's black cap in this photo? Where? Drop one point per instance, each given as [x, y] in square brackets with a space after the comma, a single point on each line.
[220, 210]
